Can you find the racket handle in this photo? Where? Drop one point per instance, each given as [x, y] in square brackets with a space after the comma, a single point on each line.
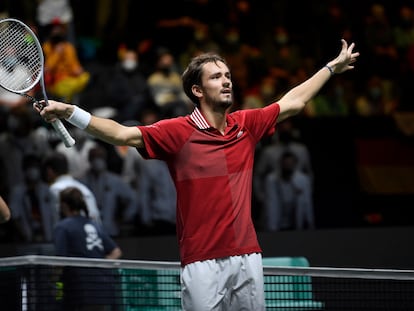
[63, 133]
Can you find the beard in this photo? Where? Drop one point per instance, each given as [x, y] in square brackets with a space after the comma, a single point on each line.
[218, 103]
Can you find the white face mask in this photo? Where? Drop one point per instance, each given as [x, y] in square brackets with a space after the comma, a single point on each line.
[129, 64]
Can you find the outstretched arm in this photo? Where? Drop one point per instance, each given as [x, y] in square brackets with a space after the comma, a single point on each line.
[4, 211]
[105, 129]
[295, 100]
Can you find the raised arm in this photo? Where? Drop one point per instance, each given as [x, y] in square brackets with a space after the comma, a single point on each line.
[107, 130]
[295, 100]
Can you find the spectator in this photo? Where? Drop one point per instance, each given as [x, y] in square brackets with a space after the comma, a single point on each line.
[287, 138]
[166, 88]
[77, 155]
[11, 70]
[49, 12]
[56, 169]
[380, 43]
[336, 101]
[65, 77]
[155, 188]
[288, 203]
[378, 99]
[77, 236]
[128, 90]
[158, 197]
[21, 138]
[31, 204]
[116, 199]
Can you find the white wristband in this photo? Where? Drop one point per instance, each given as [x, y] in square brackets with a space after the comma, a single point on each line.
[79, 118]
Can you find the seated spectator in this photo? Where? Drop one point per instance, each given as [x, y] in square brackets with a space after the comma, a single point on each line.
[166, 88]
[65, 77]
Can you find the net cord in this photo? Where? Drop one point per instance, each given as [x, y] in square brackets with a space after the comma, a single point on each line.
[382, 274]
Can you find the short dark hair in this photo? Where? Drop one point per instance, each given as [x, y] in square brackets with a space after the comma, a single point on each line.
[73, 198]
[192, 74]
[57, 162]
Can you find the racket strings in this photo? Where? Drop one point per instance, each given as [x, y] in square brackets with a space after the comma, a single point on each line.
[20, 58]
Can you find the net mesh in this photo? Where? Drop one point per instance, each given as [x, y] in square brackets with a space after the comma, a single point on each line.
[34, 283]
[21, 61]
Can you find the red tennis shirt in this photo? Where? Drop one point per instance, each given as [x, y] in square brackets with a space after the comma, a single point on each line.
[213, 178]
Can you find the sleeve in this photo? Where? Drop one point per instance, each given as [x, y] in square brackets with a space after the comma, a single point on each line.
[91, 204]
[261, 121]
[163, 138]
[108, 243]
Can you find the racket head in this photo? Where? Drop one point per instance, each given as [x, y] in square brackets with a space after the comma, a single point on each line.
[21, 57]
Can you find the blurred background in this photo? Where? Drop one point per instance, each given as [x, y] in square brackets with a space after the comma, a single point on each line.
[354, 143]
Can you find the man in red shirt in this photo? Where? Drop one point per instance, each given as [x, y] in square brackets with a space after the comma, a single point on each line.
[210, 157]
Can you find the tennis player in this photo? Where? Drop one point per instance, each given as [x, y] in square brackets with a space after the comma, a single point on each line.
[4, 211]
[210, 157]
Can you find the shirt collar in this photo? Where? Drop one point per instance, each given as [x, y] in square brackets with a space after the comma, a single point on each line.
[199, 120]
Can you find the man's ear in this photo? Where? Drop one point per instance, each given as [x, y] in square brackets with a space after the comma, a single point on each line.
[197, 91]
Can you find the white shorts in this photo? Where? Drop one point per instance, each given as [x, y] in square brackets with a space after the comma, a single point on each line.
[232, 283]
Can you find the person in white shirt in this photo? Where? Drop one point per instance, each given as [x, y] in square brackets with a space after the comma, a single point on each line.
[57, 174]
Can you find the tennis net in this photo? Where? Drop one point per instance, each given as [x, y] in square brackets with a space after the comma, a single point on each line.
[45, 283]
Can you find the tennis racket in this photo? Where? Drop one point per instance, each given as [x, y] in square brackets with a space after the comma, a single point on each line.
[21, 66]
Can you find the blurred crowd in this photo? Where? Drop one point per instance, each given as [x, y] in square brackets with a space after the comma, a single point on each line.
[123, 59]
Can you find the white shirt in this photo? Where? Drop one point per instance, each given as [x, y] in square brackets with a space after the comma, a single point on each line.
[66, 181]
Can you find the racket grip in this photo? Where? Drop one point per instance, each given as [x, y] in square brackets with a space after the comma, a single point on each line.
[63, 133]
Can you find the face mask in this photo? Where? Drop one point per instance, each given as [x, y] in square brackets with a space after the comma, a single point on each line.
[33, 174]
[98, 165]
[9, 62]
[129, 64]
